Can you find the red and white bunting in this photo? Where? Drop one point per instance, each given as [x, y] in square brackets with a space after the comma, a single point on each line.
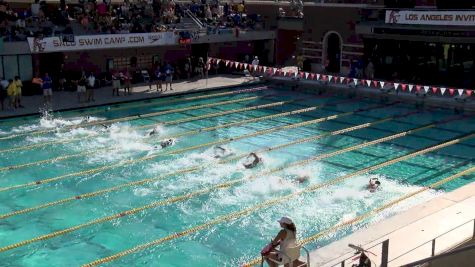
[375, 84]
[460, 91]
[285, 72]
[404, 86]
[342, 79]
[330, 77]
[306, 75]
[209, 66]
[219, 60]
[382, 84]
[245, 65]
[442, 90]
[274, 70]
[434, 90]
[418, 88]
[296, 74]
[301, 74]
[236, 64]
[318, 76]
[426, 89]
[368, 82]
[410, 87]
[396, 86]
[468, 92]
[227, 63]
[264, 69]
[451, 91]
[312, 76]
[355, 81]
[255, 67]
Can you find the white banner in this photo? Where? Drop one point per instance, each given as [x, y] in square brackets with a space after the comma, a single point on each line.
[454, 18]
[103, 41]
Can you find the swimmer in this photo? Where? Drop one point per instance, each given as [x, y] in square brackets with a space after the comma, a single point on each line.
[167, 143]
[373, 184]
[106, 127]
[255, 160]
[155, 131]
[86, 119]
[302, 179]
[221, 152]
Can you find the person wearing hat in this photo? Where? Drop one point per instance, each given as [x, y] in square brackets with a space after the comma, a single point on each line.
[286, 239]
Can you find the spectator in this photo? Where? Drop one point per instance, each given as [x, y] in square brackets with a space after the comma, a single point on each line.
[168, 76]
[127, 80]
[81, 87]
[91, 84]
[3, 92]
[187, 68]
[47, 89]
[61, 78]
[12, 92]
[115, 84]
[200, 67]
[19, 86]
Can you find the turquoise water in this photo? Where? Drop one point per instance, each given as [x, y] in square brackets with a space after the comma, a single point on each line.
[228, 243]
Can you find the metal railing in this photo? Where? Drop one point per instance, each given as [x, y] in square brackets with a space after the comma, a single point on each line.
[384, 260]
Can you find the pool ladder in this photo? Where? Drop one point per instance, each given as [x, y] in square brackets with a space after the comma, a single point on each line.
[297, 263]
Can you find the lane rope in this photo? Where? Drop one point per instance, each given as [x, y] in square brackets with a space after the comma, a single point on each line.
[165, 101]
[190, 148]
[228, 184]
[366, 215]
[265, 204]
[129, 118]
[157, 123]
[231, 159]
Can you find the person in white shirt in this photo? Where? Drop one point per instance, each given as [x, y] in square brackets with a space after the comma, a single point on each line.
[91, 82]
[255, 62]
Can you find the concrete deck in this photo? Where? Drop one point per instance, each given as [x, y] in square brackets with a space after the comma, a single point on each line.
[408, 230]
[68, 100]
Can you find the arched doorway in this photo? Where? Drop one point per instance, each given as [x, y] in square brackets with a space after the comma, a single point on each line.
[332, 45]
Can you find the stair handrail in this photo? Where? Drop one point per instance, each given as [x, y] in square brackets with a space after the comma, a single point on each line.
[195, 19]
[443, 255]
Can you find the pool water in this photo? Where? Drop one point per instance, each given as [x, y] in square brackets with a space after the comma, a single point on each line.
[116, 150]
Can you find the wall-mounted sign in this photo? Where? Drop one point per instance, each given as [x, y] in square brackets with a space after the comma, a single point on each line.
[103, 41]
[448, 18]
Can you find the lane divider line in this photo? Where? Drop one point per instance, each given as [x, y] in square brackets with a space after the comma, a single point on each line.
[231, 159]
[129, 118]
[246, 211]
[228, 184]
[186, 149]
[368, 214]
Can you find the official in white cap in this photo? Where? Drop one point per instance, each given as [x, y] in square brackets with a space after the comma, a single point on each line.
[286, 239]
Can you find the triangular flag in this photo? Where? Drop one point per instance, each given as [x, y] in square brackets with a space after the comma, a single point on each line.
[375, 84]
[209, 66]
[324, 78]
[312, 76]
[418, 88]
[442, 90]
[410, 87]
[263, 69]
[255, 67]
[396, 85]
[330, 78]
[382, 84]
[434, 90]
[368, 82]
[285, 72]
[468, 92]
[451, 91]
[219, 60]
[236, 64]
[274, 70]
[460, 91]
[363, 82]
[306, 75]
[318, 76]
[227, 63]
[240, 65]
[245, 65]
[355, 81]
[426, 89]
[295, 74]
[342, 79]
[301, 74]
[404, 86]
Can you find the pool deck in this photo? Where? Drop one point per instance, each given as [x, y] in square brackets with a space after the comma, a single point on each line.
[68, 100]
[408, 230]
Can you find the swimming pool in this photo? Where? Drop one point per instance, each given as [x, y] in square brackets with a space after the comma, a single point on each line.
[75, 190]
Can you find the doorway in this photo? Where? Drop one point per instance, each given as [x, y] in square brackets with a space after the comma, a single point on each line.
[332, 47]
